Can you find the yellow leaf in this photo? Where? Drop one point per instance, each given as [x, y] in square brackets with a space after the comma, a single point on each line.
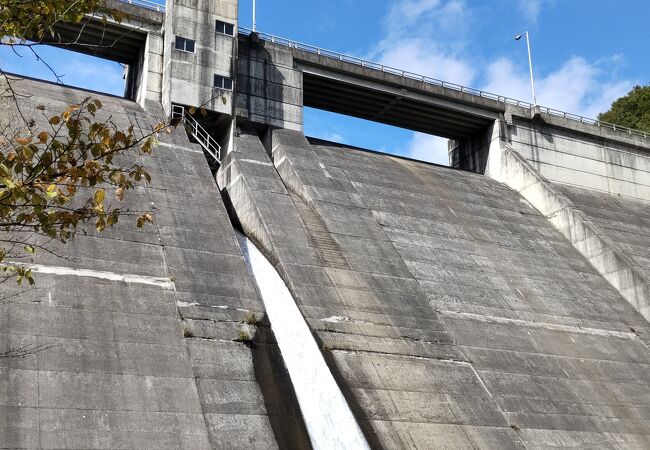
[100, 194]
[55, 120]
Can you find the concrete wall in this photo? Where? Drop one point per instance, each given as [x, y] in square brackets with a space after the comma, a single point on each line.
[473, 153]
[130, 334]
[269, 88]
[451, 312]
[149, 86]
[618, 167]
[189, 77]
[614, 261]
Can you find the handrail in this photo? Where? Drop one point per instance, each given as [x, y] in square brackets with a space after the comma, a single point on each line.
[434, 81]
[199, 133]
[146, 4]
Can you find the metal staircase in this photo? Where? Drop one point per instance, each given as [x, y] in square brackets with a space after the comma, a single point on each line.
[200, 135]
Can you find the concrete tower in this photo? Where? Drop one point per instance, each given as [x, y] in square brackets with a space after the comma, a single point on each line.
[200, 47]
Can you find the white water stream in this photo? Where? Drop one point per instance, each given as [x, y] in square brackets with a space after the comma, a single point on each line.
[328, 418]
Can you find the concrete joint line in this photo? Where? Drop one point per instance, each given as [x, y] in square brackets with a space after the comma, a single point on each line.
[254, 161]
[480, 380]
[540, 325]
[161, 282]
[279, 162]
[232, 182]
[182, 304]
[179, 147]
[398, 355]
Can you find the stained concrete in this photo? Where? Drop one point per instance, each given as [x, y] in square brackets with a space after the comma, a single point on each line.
[133, 364]
[609, 257]
[624, 223]
[450, 310]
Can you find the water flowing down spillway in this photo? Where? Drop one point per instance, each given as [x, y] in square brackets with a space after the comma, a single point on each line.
[328, 418]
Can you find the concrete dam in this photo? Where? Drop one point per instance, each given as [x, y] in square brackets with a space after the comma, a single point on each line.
[502, 302]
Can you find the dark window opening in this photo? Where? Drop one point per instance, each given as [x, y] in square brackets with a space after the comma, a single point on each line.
[185, 45]
[223, 82]
[225, 28]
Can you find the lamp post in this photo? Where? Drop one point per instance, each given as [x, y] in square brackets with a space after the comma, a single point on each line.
[254, 18]
[530, 64]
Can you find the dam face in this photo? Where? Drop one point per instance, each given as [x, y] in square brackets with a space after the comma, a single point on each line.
[502, 302]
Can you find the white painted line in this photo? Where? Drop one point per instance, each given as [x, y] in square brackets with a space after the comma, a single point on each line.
[164, 283]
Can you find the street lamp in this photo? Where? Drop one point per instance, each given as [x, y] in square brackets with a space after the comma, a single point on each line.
[254, 18]
[530, 64]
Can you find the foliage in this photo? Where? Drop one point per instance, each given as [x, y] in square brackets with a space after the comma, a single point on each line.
[244, 338]
[43, 169]
[251, 318]
[23, 20]
[631, 110]
[58, 172]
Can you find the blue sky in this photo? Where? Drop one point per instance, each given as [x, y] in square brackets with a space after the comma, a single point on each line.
[586, 53]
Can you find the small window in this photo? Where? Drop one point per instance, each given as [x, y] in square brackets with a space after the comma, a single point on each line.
[185, 45]
[225, 28]
[223, 82]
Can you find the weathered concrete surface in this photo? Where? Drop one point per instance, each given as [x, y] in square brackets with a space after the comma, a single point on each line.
[269, 88]
[625, 221]
[611, 258]
[148, 362]
[570, 156]
[188, 78]
[451, 311]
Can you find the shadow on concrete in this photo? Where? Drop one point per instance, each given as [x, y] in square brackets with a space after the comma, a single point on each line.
[279, 397]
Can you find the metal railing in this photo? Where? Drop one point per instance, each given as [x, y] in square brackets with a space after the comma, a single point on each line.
[434, 81]
[199, 133]
[146, 4]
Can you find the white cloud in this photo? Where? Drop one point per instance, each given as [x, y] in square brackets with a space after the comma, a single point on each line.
[425, 147]
[425, 16]
[577, 86]
[422, 36]
[530, 9]
[333, 137]
[425, 37]
[421, 57]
